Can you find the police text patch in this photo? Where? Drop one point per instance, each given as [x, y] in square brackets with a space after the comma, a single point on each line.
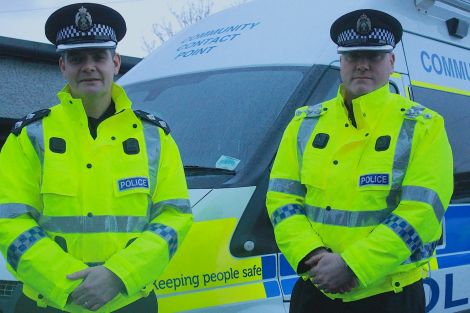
[374, 180]
[133, 182]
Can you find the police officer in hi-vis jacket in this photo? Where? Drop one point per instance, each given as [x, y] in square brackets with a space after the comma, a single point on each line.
[360, 183]
[93, 197]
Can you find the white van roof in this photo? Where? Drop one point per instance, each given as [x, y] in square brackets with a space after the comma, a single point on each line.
[284, 32]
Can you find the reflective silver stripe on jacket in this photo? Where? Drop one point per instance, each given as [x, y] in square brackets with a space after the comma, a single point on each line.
[285, 212]
[401, 160]
[305, 131]
[36, 136]
[93, 224]
[289, 186]
[405, 231]
[425, 195]
[167, 233]
[336, 217]
[181, 205]
[22, 243]
[12, 210]
[152, 143]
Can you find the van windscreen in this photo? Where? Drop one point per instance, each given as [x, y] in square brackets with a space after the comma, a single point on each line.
[219, 118]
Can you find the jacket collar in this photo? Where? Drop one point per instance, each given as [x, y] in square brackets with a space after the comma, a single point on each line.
[369, 108]
[118, 95]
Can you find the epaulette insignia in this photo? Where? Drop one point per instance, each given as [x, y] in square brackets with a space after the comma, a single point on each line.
[311, 111]
[153, 120]
[415, 111]
[28, 119]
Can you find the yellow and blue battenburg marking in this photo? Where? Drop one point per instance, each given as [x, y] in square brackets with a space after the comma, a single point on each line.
[269, 268]
[456, 247]
[288, 276]
[212, 276]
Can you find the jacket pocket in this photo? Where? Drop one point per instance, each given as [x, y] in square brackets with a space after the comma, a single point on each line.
[131, 185]
[132, 194]
[373, 186]
[378, 179]
[59, 190]
[59, 181]
[313, 171]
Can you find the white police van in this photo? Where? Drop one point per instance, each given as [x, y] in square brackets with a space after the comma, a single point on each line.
[229, 85]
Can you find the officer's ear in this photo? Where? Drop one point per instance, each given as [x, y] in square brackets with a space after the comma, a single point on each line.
[62, 64]
[116, 61]
[391, 59]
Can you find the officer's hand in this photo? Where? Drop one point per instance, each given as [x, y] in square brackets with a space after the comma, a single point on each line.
[308, 261]
[99, 286]
[349, 286]
[331, 274]
[316, 256]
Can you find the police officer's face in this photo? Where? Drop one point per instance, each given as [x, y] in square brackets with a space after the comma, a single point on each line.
[90, 72]
[363, 72]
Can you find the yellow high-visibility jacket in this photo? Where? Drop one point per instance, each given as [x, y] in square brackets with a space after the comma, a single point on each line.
[68, 201]
[375, 194]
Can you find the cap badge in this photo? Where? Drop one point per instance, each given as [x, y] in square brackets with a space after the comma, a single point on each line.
[363, 26]
[83, 20]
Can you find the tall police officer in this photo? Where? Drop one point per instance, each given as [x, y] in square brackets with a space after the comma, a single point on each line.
[93, 197]
[360, 183]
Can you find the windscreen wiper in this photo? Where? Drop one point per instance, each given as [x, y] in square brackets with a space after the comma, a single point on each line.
[191, 170]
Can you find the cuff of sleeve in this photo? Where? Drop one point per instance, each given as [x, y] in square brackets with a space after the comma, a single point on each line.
[125, 271]
[301, 256]
[349, 257]
[61, 296]
[302, 267]
[57, 297]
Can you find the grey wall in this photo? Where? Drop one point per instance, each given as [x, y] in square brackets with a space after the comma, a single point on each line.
[27, 86]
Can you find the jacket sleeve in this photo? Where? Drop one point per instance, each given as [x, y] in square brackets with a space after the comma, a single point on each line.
[294, 234]
[147, 257]
[29, 251]
[411, 232]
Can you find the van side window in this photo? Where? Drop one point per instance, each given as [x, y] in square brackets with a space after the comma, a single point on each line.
[394, 88]
[455, 109]
[327, 87]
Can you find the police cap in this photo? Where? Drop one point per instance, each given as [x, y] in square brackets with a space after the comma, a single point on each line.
[366, 30]
[85, 25]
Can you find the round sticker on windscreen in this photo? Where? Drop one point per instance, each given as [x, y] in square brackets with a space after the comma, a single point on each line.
[227, 163]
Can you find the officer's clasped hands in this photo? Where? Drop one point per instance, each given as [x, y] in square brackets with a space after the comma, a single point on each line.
[330, 273]
[98, 287]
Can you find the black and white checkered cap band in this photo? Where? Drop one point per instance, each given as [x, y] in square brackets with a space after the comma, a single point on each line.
[377, 36]
[100, 31]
